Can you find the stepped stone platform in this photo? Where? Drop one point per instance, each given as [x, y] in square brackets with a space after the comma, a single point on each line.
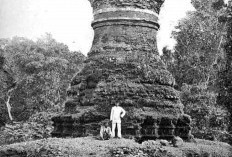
[124, 66]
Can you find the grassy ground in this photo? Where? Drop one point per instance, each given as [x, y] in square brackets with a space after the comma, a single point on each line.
[84, 147]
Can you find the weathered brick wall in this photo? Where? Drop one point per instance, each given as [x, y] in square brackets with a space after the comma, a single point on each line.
[153, 5]
[124, 66]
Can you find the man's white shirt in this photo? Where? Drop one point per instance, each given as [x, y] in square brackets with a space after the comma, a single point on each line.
[117, 113]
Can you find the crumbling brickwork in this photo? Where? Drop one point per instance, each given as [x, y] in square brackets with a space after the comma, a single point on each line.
[124, 66]
[153, 5]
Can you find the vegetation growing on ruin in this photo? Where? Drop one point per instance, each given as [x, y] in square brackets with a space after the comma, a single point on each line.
[39, 72]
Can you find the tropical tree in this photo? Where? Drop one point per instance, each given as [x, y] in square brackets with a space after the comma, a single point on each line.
[196, 61]
[198, 53]
[225, 74]
[42, 70]
[7, 85]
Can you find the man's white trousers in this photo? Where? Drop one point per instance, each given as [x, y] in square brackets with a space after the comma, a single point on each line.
[118, 127]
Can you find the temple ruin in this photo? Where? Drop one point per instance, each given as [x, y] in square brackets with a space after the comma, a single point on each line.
[124, 66]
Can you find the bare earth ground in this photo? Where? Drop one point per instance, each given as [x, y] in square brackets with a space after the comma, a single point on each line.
[89, 146]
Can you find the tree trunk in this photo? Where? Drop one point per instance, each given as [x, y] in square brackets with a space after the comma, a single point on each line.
[9, 107]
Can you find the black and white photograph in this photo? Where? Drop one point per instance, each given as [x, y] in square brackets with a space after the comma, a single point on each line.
[115, 78]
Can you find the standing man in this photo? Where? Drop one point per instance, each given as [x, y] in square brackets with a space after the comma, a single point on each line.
[117, 113]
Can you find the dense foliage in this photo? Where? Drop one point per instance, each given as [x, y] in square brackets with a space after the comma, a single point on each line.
[225, 75]
[42, 71]
[198, 54]
[38, 126]
[196, 61]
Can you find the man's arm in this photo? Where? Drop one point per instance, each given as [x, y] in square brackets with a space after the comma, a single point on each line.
[112, 113]
[123, 112]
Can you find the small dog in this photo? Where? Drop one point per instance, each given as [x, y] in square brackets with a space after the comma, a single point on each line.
[105, 131]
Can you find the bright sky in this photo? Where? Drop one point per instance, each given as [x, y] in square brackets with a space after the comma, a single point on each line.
[69, 21]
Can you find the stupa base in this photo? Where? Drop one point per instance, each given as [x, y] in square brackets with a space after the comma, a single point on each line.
[148, 128]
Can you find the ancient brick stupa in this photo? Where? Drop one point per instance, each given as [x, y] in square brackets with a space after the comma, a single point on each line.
[124, 66]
